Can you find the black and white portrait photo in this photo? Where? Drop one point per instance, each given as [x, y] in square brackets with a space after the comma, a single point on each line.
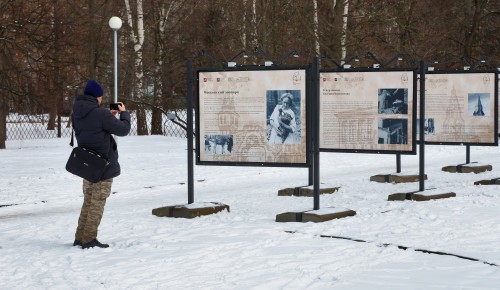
[283, 117]
[393, 101]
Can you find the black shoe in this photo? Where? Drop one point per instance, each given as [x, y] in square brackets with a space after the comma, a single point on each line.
[77, 243]
[94, 243]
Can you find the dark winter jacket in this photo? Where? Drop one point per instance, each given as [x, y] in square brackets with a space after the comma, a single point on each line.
[93, 128]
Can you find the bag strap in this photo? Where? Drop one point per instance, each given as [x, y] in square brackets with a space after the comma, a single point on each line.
[71, 143]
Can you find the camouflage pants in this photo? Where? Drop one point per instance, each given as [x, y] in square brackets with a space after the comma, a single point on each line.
[94, 199]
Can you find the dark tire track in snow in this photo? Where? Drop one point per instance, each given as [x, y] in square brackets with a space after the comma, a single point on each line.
[404, 248]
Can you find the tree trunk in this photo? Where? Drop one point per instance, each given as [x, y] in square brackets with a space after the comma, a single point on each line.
[92, 40]
[336, 20]
[52, 105]
[156, 119]
[52, 101]
[316, 29]
[344, 30]
[142, 126]
[254, 41]
[243, 33]
[156, 122]
[138, 41]
[472, 29]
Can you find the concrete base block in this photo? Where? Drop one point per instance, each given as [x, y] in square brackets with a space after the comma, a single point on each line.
[396, 178]
[420, 195]
[190, 210]
[307, 190]
[468, 168]
[315, 216]
[494, 181]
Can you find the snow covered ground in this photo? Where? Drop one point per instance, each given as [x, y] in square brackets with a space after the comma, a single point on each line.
[386, 244]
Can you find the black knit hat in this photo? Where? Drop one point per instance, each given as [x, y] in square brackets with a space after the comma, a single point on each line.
[93, 89]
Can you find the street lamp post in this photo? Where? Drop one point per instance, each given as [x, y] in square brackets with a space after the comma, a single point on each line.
[116, 23]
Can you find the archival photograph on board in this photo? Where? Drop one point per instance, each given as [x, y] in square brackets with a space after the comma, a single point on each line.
[393, 131]
[429, 128]
[252, 116]
[283, 117]
[479, 104]
[218, 144]
[393, 101]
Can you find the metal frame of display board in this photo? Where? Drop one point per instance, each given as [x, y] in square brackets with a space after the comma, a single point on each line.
[495, 110]
[413, 112]
[307, 119]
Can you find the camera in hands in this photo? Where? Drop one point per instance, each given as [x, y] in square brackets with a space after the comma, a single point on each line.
[114, 106]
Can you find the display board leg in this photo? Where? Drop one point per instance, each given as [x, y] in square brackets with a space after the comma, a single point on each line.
[307, 190]
[425, 195]
[396, 178]
[190, 210]
[474, 167]
[398, 163]
[316, 216]
[494, 181]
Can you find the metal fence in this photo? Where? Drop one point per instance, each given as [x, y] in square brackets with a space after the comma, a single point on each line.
[34, 126]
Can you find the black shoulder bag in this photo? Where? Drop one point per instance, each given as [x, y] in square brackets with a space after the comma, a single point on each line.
[86, 163]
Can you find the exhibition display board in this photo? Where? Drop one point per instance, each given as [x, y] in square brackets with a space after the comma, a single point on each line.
[253, 117]
[368, 111]
[498, 111]
[461, 108]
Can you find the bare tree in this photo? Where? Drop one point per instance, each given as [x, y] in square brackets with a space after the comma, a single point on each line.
[254, 34]
[22, 46]
[343, 39]
[135, 21]
[331, 24]
[317, 47]
[475, 32]
[168, 17]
